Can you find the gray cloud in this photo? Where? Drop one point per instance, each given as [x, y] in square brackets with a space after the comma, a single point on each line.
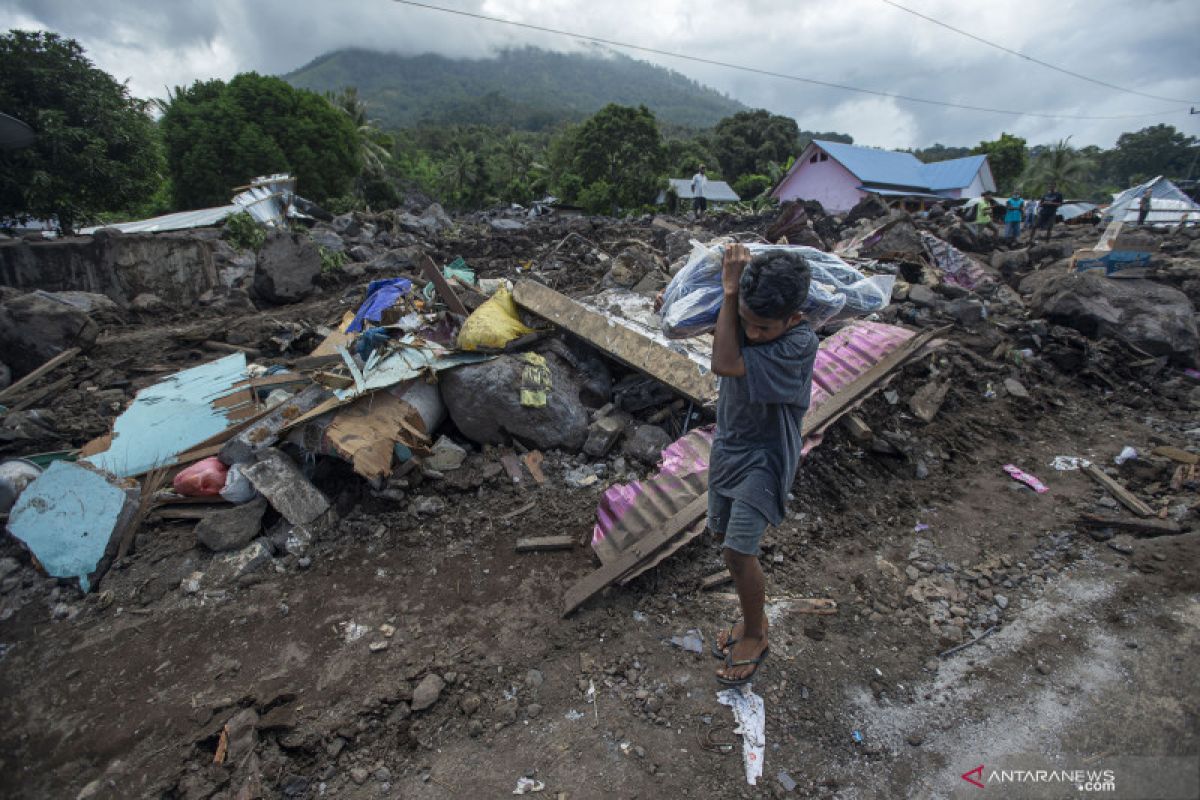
[1148, 46]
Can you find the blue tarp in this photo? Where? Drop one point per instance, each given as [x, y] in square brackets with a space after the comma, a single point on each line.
[381, 295]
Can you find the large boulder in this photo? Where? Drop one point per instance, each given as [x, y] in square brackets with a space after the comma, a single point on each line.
[1155, 318]
[869, 207]
[35, 327]
[288, 266]
[896, 240]
[630, 266]
[484, 400]
[231, 528]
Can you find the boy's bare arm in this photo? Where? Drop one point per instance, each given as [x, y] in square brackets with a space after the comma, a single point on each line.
[727, 349]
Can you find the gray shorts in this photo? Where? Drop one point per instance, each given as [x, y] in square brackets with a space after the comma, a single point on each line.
[740, 523]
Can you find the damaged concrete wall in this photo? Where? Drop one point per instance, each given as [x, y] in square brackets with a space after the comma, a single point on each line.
[176, 267]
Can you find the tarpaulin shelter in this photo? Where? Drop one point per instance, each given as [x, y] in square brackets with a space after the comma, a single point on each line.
[1168, 204]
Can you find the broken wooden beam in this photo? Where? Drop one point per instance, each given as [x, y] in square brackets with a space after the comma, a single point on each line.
[1176, 454]
[710, 582]
[647, 546]
[1126, 497]
[225, 347]
[28, 380]
[37, 394]
[624, 344]
[430, 270]
[1147, 527]
[543, 544]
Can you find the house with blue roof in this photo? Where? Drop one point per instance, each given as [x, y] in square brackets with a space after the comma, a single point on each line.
[839, 175]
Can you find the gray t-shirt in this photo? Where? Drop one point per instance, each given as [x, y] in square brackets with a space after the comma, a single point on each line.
[757, 445]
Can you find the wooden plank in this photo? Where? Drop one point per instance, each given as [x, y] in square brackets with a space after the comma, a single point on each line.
[225, 347]
[533, 462]
[792, 605]
[58, 360]
[431, 271]
[716, 579]
[622, 343]
[1176, 454]
[183, 512]
[1149, 527]
[866, 383]
[633, 555]
[516, 512]
[37, 395]
[541, 544]
[1126, 498]
[314, 362]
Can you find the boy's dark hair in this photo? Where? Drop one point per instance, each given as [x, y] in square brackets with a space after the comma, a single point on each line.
[775, 285]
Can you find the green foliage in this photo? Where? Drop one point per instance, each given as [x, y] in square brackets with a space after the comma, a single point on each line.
[219, 136]
[332, 260]
[1060, 165]
[619, 156]
[751, 186]
[941, 152]
[746, 142]
[95, 149]
[243, 232]
[1156, 150]
[1007, 159]
[525, 89]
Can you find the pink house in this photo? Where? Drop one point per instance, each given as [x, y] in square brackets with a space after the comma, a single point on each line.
[839, 175]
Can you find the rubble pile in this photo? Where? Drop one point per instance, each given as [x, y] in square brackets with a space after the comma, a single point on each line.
[393, 378]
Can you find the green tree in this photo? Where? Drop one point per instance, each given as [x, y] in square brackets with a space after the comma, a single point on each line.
[95, 149]
[219, 136]
[747, 141]
[1007, 159]
[619, 152]
[1060, 165]
[1157, 150]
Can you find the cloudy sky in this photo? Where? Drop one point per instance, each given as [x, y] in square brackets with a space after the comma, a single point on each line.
[1148, 46]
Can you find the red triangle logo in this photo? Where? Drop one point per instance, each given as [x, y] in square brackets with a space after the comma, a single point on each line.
[978, 773]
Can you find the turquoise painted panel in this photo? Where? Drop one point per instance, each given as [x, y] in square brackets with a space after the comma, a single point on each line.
[171, 417]
[67, 517]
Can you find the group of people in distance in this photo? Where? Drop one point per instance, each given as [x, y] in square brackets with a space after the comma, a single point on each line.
[1036, 216]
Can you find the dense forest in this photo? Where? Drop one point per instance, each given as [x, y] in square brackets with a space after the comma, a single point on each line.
[602, 131]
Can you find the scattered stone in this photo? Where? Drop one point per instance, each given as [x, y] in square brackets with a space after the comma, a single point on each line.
[430, 506]
[288, 266]
[1001, 601]
[533, 710]
[1016, 389]
[470, 703]
[427, 692]
[916, 739]
[233, 528]
[445, 455]
[230, 568]
[646, 444]
[923, 296]
[279, 480]
[148, 303]
[602, 435]
[1043, 668]
[359, 775]
[1121, 547]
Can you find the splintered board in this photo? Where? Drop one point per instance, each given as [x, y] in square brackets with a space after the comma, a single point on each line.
[622, 343]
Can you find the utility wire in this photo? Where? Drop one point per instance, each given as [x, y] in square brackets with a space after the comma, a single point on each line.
[1038, 61]
[769, 73]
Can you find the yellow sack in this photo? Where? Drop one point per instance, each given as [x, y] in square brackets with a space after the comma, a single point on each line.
[492, 325]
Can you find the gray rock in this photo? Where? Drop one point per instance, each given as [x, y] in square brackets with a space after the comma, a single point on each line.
[1146, 314]
[646, 444]
[345, 225]
[923, 296]
[148, 303]
[898, 239]
[1001, 601]
[1015, 388]
[362, 252]
[227, 569]
[966, 311]
[870, 207]
[5, 376]
[427, 506]
[288, 266]
[679, 244]
[630, 266]
[35, 327]
[97, 306]
[401, 259]
[359, 775]
[507, 225]
[445, 455]
[279, 480]
[327, 239]
[602, 435]
[233, 528]
[484, 401]
[427, 692]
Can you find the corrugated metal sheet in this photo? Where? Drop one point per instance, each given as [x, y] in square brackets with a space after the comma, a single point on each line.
[182, 220]
[873, 166]
[1168, 204]
[957, 173]
[717, 191]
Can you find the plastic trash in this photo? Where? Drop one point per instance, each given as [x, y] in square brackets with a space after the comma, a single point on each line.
[1127, 454]
[492, 325]
[238, 488]
[15, 475]
[693, 298]
[381, 295]
[528, 786]
[1017, 474]
[750, 713]
[1069, 463]
[205, 478]
[692, 641]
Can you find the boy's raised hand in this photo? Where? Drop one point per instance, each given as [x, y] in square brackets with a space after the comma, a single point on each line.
[735, 260]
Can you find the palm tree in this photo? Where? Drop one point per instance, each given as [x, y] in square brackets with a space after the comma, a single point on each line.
[460, 170]
[1060, 165]
[517, 157]
[374, 146]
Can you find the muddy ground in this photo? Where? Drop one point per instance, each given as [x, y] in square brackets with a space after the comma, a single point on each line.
[919, 536]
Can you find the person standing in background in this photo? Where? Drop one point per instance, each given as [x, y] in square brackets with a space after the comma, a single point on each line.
[699, 183]
[1014, 209]
[1143, 208]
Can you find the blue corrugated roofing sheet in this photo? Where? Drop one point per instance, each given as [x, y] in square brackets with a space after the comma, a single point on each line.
[903, 169]
[956, 173]
[717, 191]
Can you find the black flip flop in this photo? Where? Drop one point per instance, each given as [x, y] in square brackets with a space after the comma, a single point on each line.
[730, 641]
[743, 681]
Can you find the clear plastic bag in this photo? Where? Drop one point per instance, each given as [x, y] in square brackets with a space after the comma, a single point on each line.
[692, 300]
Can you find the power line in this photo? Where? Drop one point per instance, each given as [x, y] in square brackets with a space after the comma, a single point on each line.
[1038, 61]
[783, 76]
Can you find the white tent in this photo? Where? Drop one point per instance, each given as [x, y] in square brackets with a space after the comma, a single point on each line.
[1168, 204]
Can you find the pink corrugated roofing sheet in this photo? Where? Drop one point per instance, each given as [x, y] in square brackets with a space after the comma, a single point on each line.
[626, 511]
